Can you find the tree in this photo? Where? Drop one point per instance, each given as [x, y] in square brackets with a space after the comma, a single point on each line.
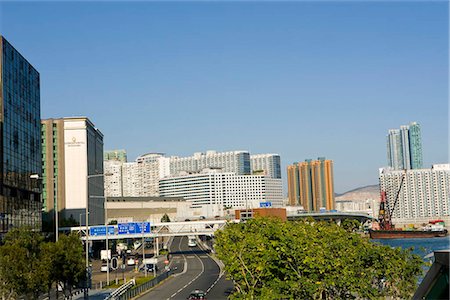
[20, 264]
[165, 218]
[69, 262]
[270, 259]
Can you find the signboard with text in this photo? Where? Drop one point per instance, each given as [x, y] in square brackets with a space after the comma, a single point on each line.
[100, 230]
[265, 204]
[133, 227]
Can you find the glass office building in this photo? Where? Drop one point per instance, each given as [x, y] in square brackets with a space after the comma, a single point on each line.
[20, 195]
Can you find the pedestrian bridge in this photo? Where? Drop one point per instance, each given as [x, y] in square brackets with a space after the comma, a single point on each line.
[153, 230]
[135, 230]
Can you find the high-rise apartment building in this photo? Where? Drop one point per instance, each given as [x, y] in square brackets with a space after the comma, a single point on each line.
[213, 187]
[72, 150]
[114, 181]
[237, 162]
[311, 184]
[404, 147]
[424, 193]
[118, 155]
[267, 164]
[20, 195]
[136, 179]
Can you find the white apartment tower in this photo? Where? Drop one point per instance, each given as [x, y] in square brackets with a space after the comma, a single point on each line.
[211, 187]
[237, 162]
[267, 164]
[424, 193]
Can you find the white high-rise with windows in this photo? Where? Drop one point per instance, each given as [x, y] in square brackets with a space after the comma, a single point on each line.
[267, 164]
[212, 187]
[237, 162]
[113, 182]
[424, 193]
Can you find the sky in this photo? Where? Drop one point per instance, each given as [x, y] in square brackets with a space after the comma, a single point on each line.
[301, 79]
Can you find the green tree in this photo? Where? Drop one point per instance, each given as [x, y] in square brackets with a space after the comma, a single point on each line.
[270, 259]
[20, 264]
[165, 218]
[68, 262]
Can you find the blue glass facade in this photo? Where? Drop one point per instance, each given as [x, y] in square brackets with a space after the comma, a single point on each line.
[20, 202]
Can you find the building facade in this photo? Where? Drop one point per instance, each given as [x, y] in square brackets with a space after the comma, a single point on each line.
[424, 193]
[404, 147]
[267, 164]
[72, 167]
[20, 195]
[118, 155]
[218, 190]
[237, 162]
[311, 184]
[114, 181]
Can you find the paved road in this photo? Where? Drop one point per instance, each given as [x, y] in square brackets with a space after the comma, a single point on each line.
[195, 270]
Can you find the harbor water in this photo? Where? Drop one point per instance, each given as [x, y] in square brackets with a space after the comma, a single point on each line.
[422, 247]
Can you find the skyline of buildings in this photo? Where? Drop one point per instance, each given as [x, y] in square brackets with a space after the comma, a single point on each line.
[311, 184]
[404, 147]
[20, 117]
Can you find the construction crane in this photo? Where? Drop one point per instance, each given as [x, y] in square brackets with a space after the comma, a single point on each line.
[385, 213]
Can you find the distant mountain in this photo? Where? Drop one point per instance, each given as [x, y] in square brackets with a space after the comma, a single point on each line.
[360, 194]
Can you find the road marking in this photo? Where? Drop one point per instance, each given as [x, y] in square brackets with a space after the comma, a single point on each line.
[190, 256]
[194, 279]
[204, 256]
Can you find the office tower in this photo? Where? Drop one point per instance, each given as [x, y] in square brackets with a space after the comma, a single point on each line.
[267, 164]
[118, 155]
[72, 151]
[237, 162]
[404, 147]
[423, 195]
[20, 195]
[311, 184]
[213, 187]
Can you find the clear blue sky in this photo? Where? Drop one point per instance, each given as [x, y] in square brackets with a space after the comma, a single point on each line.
[300, 79]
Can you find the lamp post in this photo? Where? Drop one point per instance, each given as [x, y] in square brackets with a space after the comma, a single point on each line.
[86, 295]
[55, 202]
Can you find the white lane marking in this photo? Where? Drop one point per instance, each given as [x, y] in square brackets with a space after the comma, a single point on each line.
[204, 256]
[221, 273]
[194, 279]
[190, 256]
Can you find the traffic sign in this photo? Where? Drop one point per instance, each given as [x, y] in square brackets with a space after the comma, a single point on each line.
[100, 230]
[114, 263]
[265, 204]
[133, 227]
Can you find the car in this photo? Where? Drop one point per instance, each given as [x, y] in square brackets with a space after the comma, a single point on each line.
[130, 261]
[150, 268]
[197, 295]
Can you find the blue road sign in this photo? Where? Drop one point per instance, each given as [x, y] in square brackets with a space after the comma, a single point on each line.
[133, 228]
[265, 204]
[100, 230]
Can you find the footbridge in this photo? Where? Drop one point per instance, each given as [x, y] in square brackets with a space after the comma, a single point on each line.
[135, 230]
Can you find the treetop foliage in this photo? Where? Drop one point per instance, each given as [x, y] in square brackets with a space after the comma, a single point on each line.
[270, 259]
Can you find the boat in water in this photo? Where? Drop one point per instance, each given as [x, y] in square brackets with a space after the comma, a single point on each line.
[384, 228]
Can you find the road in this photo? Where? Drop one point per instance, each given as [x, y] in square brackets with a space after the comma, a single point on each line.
[195, 270]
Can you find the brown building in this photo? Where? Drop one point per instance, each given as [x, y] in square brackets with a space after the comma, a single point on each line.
[311, 184]
[244, 214]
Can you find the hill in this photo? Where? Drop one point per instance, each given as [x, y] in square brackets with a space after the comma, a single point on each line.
[361, 194]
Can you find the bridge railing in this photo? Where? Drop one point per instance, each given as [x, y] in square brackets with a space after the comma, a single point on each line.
[131, 293]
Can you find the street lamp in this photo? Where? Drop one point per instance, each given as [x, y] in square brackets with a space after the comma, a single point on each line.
[55, 201]
[106, 222]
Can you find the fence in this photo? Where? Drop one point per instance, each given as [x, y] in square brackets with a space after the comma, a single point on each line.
[143, 287]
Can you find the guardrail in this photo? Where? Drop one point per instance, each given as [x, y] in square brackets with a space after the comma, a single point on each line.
[121, 290]
[129, 294]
